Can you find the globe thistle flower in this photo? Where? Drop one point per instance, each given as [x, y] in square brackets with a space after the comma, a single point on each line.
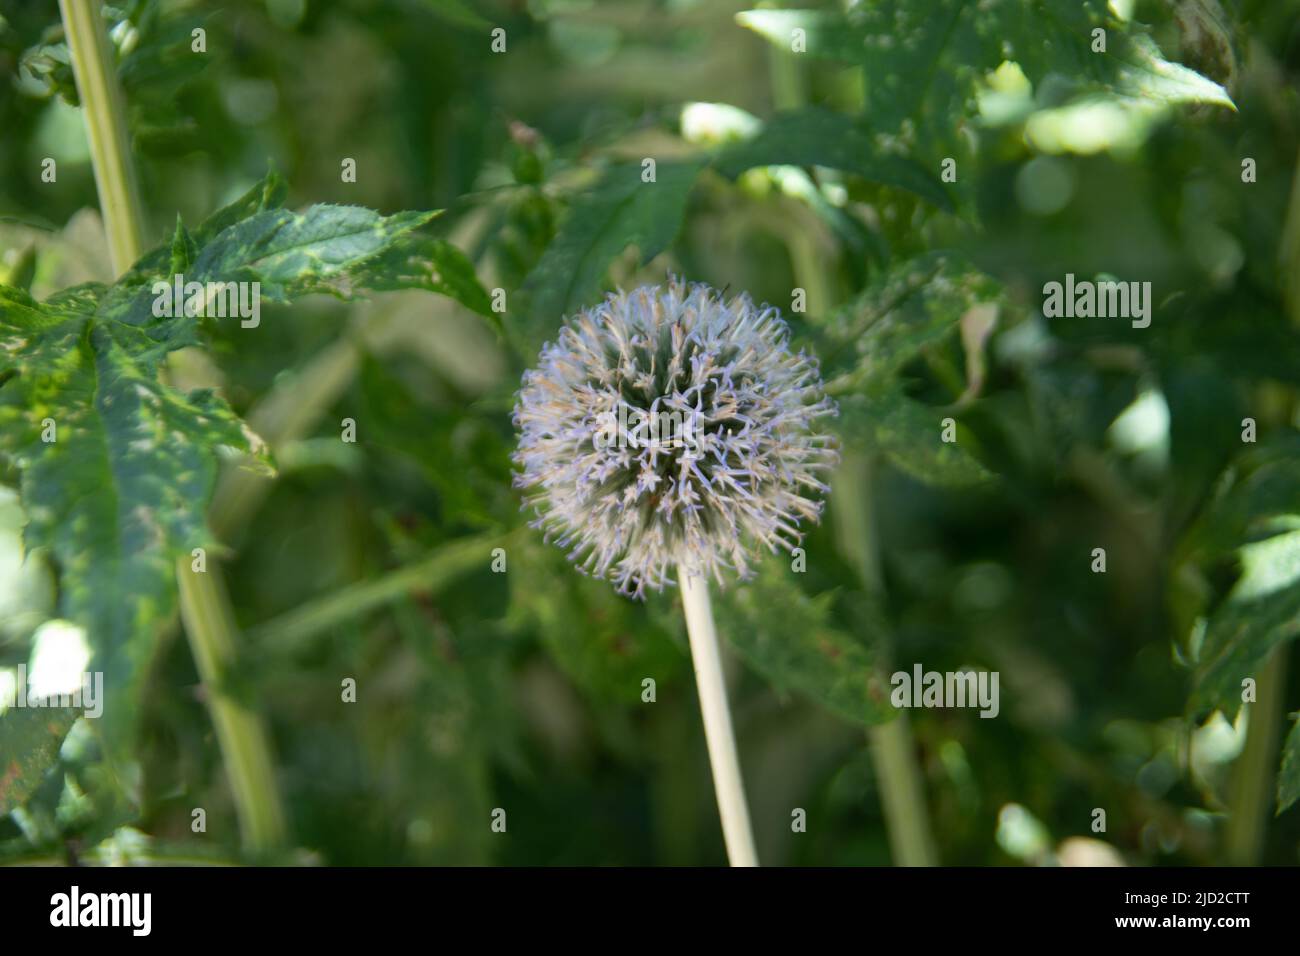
[672, 427]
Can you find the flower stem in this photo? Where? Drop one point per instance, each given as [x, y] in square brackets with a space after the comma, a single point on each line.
[205, 610]
[707, 660]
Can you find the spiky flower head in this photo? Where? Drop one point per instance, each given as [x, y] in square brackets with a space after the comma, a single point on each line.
[672, 426]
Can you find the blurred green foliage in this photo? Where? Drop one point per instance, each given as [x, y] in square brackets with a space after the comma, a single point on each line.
[822, 171]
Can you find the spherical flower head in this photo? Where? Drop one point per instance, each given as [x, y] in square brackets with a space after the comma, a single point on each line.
[669, 426]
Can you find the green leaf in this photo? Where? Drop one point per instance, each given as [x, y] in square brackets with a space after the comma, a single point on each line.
[423, 262]
[29, 746]
[458, 12]
[925, 63]
[618, 212]
[1264, 502]
[1288, 778]
[267, 193]
[121, 492]
[1261, 611]
[184, 250]
[163, 59]
[818, 137]
[116, 467]
[790, 639]
[909, 434]
[339, 250]
[1145, 74]
[922, 60]
[323, 249]
[431, 575]
[605, 643]
[904, 310]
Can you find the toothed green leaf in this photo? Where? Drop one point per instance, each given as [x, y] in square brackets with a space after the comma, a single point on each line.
[116, 466]
[29, 747]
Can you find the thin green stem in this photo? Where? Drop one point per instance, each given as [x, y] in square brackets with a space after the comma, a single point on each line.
[893, 750]
[1289, 250]
[431, 574]
[101, 97]
[789, 85]
[245, 747]
[1254, 773]
[205, 610]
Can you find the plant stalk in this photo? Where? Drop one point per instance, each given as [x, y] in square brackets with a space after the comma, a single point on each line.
[1254, 774]
[245, 747]
[1254, 780]
[721, 739]
[430, 575]
[893, 749]
[205, 610]
[105, 112]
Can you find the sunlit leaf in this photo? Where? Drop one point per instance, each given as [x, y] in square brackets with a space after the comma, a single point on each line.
[1260, 612]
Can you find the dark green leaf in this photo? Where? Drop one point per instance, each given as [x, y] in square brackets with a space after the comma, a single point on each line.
[119, 492]
[817, 137]
[184, 250]
[620, 211]
[910, 435]
[458, 12]
[604, 642]
[1264, 502]
[924, 62]
[29, 746]
[268, 193]
[1261, 611]
[1288, 778]
[905, 309]
[788, 637]
[422, 262]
